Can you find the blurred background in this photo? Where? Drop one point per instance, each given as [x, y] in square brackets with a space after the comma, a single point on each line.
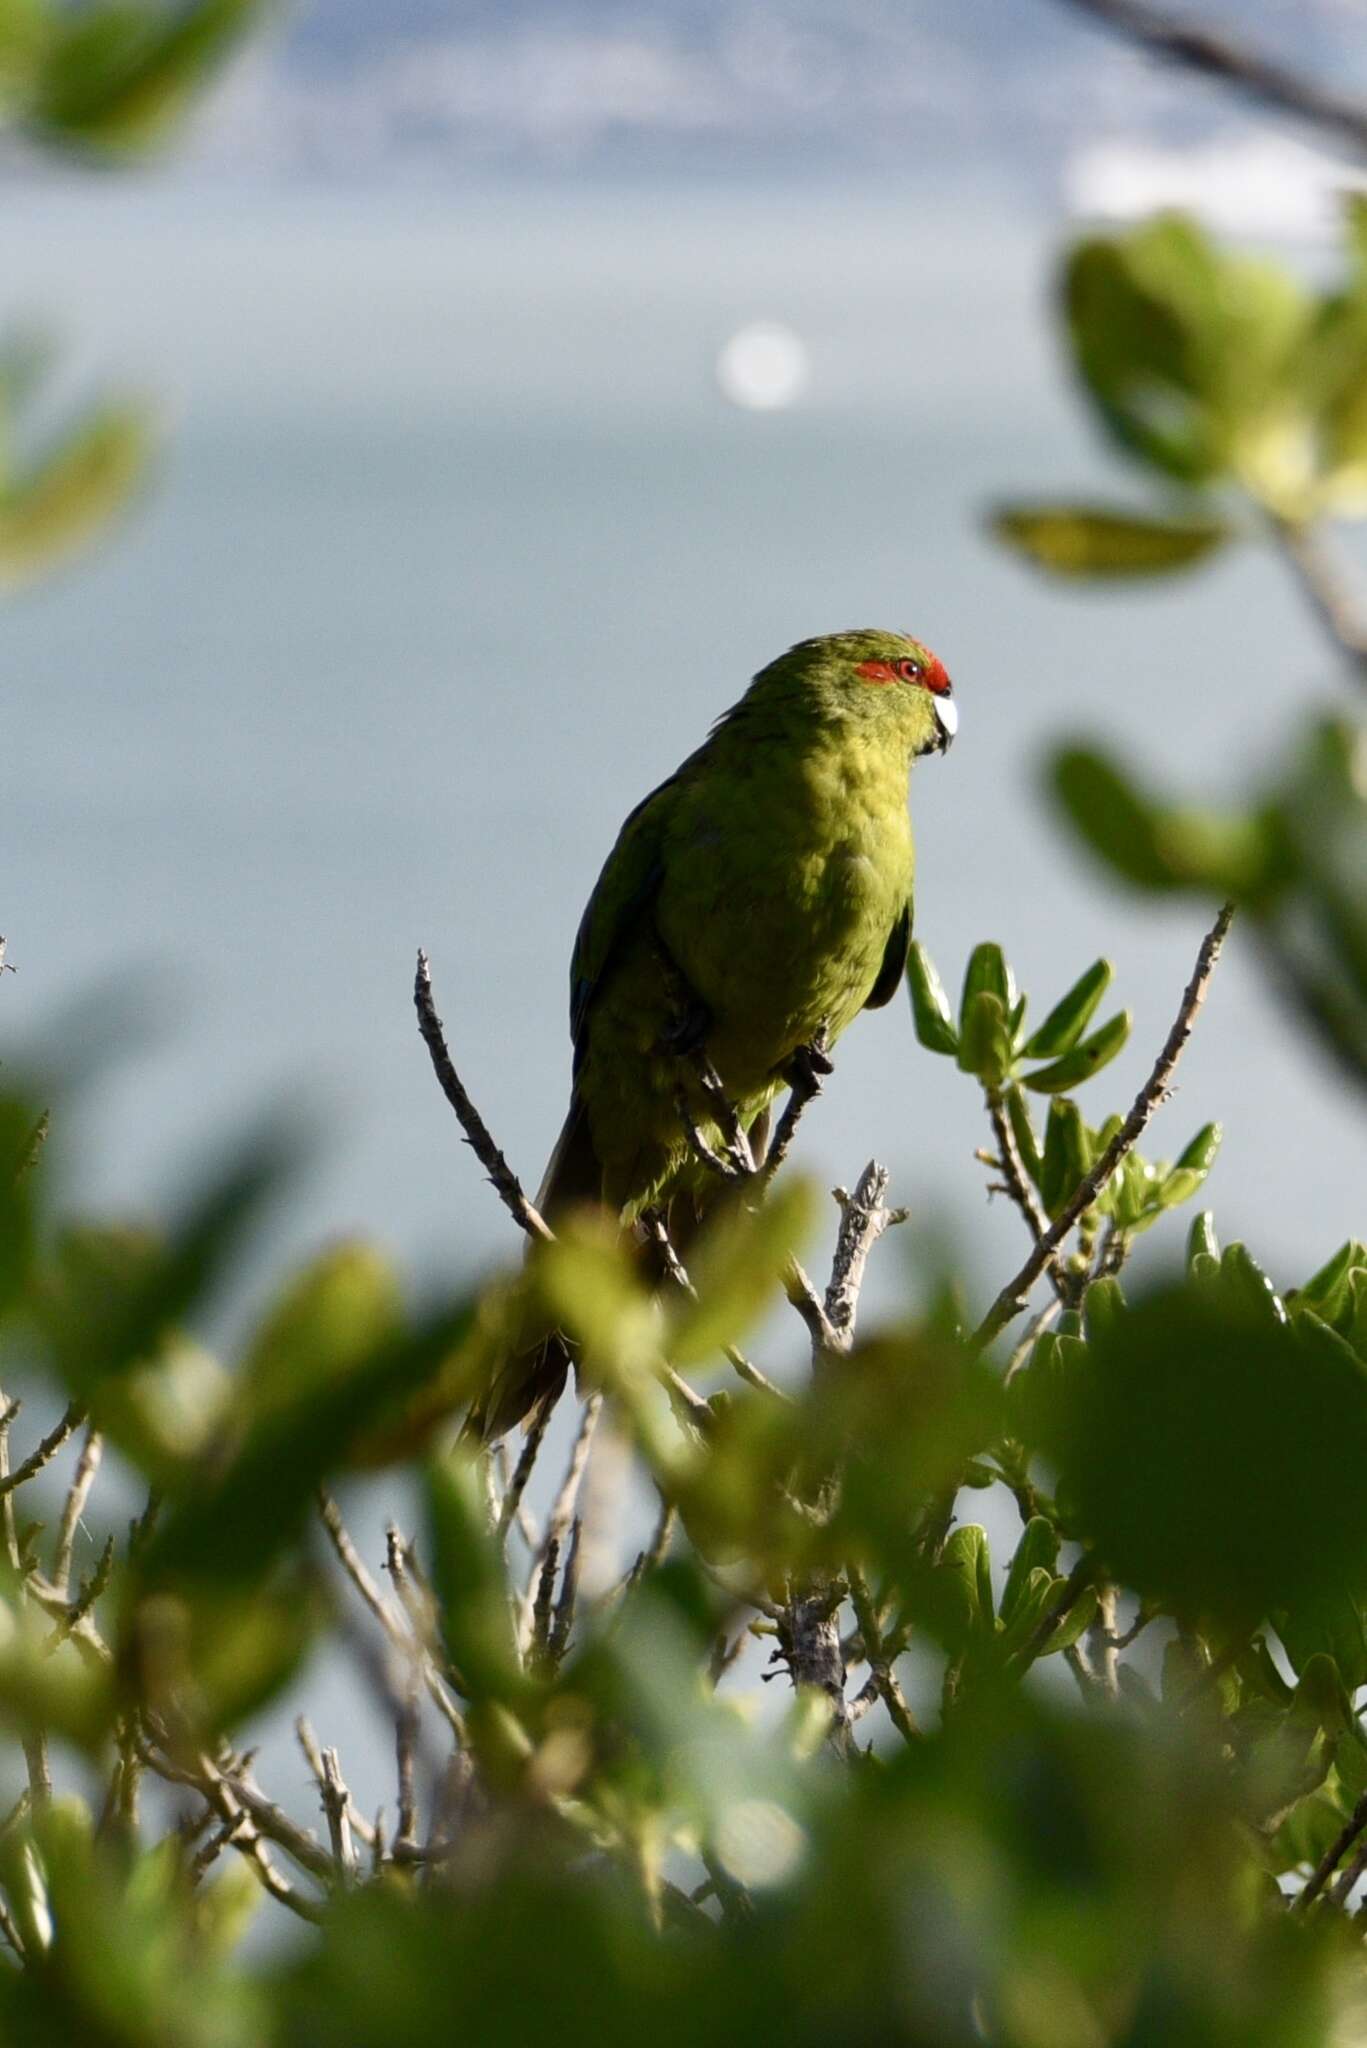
[530, 375]
[527, 376]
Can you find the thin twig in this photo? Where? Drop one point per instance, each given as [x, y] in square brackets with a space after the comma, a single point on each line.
[655, 1229]
[1334, 1854]
[535, 1436]
[558, 1640]
[1350, 1878]
[881, 1671]
[1177, 40]
[47, 1449]
[1018, 1186]
[370, 1593]
[562, 1508]
[336, 1805]
[213, 1846]
[505, 1182]
[78, 1493]
[1012, 1299]
[9, 1526]
[1325, 590]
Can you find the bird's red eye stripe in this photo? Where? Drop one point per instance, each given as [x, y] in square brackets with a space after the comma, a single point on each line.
[930, 672]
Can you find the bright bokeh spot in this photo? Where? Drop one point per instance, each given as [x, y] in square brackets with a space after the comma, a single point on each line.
[763, 367]
[759, 1842]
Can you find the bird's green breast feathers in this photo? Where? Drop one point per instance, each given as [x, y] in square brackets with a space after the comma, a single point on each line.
[775, 871]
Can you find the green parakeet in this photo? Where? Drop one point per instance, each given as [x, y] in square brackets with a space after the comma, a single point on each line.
[770, 880]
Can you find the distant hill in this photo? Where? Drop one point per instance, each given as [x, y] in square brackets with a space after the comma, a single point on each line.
[765, 87]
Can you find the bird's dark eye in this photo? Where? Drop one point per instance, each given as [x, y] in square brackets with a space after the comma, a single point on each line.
[910, 671]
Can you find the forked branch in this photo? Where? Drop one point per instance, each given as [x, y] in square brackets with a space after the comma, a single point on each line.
[1012, 1299]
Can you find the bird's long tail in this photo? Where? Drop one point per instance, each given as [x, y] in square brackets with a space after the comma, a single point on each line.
[536, 1375]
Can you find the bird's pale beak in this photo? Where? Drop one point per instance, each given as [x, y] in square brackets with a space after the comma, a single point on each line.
[947, 718]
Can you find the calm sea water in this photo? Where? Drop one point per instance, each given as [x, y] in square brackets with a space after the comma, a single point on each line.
[455, 552]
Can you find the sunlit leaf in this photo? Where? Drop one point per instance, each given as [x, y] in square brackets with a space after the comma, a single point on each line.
[1092, 542]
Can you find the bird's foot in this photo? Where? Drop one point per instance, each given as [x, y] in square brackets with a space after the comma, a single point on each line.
[808, 1067]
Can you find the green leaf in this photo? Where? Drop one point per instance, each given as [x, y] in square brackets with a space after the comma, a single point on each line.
[735, 1269]
[1067, 1154]
[1084, 1060]
[1071, 1015]
[468, 1580]
[1188, 1176]
[964, 1575]
[985, 1038]
[220, 1532]
[1202, 1243]
[1038, 1547]
[1023, 1130]
[1329, 1291]
[1163, 848]
[56, 509]
[988, 971]
[1074, 1624]
[1245, 1281]
[1107, 812]
[119, 77]
[1194, 1396]
[1103, 1304]
[929, 1003]
[1333, 1625]
[1136, 309]
[1091, 542]
[333, 1315]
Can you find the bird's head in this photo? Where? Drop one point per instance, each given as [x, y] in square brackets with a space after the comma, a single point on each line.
[880, 683]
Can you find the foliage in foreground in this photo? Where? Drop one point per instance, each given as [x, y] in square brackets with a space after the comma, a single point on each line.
[1109, 1787]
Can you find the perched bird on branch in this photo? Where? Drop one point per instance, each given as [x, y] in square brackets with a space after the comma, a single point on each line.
[753, 904]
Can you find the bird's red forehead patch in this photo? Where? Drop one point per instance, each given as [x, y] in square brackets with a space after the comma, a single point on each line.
[936, 676]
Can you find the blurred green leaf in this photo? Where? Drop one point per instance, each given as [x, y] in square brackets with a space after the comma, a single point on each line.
[1331, 1625]
[1187, 1395]
[221, 1531]
[1191, 356]
[468, 1579]
[117, 77]
[110, 1298]
[1156, 847]
[735, 1268]
[57, 508]
[1092, 541]
[333, 1315]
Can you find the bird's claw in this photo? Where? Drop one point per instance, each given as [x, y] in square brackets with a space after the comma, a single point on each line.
[808, 1067]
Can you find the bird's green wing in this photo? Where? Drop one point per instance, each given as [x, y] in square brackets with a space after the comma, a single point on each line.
[894, 962]
[622, 897]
